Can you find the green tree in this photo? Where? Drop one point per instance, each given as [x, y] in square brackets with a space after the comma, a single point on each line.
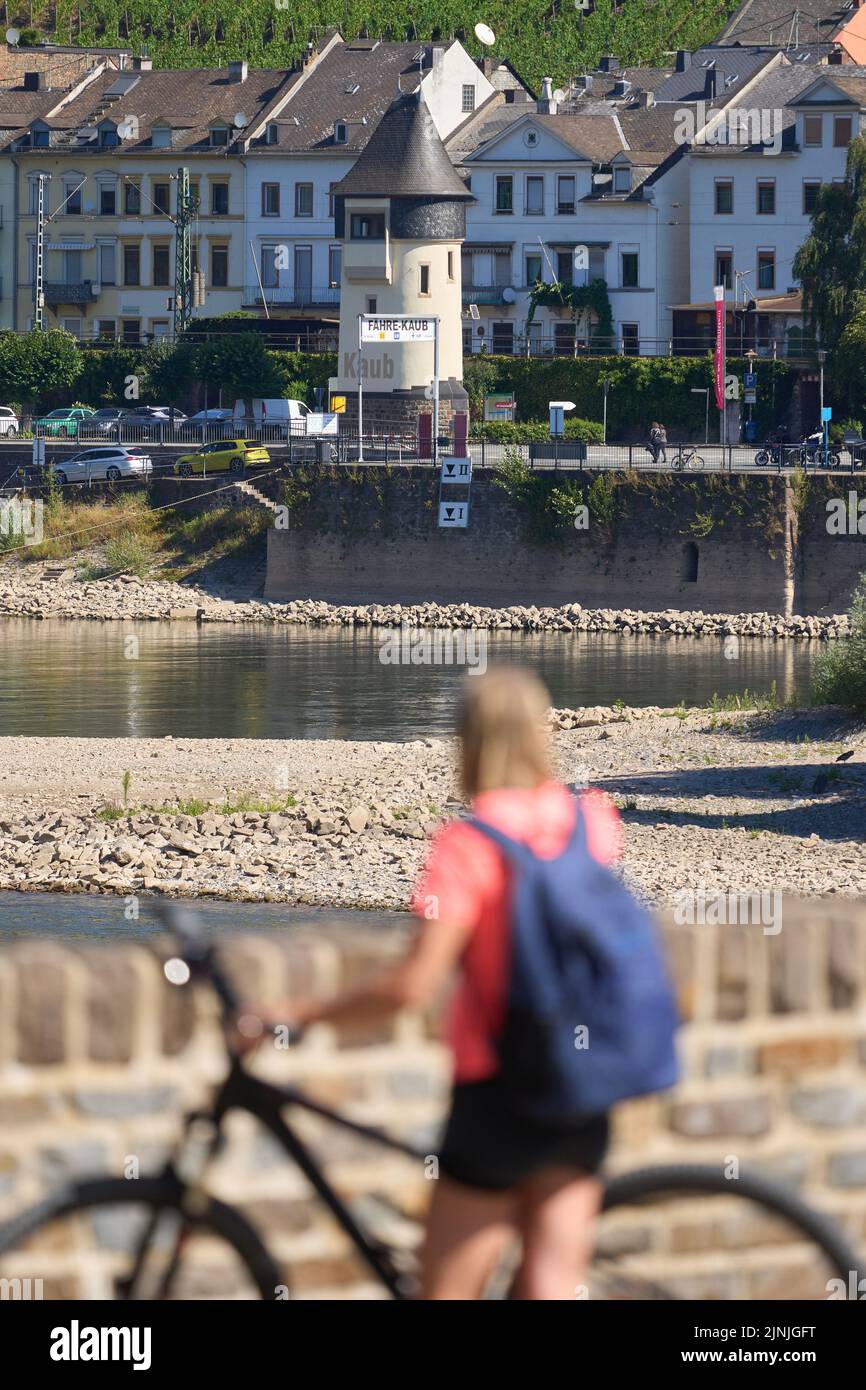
[38, 367]
[239, 365]
[831, 263]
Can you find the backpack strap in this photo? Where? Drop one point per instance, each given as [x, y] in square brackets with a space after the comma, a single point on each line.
[517, 852]
[513, 850]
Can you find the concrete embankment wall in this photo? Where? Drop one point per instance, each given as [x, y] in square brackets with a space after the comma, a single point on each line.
[718, 544]
[98, 1056]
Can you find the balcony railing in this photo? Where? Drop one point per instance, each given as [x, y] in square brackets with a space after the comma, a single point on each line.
[296, 297]
[59, 292]
[483, 294]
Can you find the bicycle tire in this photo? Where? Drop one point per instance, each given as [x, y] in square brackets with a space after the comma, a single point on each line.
[696, 462]
[762, 458]
[679, 1179]
[154, 1194]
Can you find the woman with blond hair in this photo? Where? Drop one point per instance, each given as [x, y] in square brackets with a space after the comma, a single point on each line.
[502, 1175]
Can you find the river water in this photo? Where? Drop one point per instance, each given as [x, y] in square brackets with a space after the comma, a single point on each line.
[221, 681]
[94, 917]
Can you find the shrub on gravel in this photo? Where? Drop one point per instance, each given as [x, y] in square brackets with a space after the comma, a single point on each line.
[839, 673]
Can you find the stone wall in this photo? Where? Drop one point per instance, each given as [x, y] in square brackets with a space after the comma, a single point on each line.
[716, 545]
[98, 1055]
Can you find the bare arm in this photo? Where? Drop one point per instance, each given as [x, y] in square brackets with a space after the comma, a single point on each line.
[411, 983]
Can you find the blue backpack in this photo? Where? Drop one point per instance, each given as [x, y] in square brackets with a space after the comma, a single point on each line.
[591, 1017]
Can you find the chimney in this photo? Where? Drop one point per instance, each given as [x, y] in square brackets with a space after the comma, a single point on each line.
[238, 71]
[309, 55]
[546, 105]
[620, 87]
[683, 60]
[608, 63]
[836, 58]
[438, 56]
[645, 100]
[583, 82]
[32, 81]
[143, 63]
[713, 83]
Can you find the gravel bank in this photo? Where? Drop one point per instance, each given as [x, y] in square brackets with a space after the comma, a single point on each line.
[39, 591]
[724, 802]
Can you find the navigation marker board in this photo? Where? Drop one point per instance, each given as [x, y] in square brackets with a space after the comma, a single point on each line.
[456, 471]
[454, 514]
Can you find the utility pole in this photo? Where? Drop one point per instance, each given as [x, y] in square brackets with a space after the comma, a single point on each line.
[184, 298]
[39, 287]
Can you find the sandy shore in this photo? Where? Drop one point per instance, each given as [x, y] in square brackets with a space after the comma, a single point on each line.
[726, 802]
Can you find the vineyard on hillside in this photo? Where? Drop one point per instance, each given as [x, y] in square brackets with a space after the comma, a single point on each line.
[537, 37]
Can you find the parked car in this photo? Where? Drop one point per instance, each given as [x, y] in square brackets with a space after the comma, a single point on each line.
[106, 420]
[223, 456]
[152, 421]
[106, 461]
[9, 422]
[214, 415]
[63, 423]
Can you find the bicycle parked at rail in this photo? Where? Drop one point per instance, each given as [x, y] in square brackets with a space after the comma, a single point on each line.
[166, 1237]
[687, 457]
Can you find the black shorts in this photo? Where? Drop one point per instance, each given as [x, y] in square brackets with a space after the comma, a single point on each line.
[486, 1145]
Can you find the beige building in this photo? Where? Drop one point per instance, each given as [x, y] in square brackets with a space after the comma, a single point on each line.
[110, 150]
[401, 214]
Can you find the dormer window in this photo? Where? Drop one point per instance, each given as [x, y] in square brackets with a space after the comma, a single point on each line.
[160, 137]
[219, 135]
[340, 133]
[271, 133]
[108, 137]
[40, 137]
[622, 179]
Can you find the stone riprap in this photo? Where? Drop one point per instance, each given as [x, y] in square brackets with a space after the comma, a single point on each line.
[26, 592]
[721, 801]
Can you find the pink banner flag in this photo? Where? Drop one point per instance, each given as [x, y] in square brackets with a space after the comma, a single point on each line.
[719, 292]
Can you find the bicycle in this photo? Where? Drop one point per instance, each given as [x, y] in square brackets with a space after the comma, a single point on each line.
[152, 1237]
[687, 457]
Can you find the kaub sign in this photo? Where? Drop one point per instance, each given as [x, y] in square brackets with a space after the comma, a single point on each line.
[399, 328]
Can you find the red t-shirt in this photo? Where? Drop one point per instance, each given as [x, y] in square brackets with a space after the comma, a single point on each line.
[467, 882]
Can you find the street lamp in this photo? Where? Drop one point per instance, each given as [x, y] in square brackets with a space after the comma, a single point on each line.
[704, 391]
[822, 358]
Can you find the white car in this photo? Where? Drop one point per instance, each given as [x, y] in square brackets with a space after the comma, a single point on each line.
[9, 422]
[110, 462]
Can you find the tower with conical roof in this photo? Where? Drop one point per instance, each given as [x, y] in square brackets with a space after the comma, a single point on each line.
[401, 215]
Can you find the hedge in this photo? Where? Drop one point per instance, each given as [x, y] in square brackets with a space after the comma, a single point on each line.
[535, 431]
[642, 389]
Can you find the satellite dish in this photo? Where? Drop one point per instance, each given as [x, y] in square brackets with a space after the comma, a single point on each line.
[508, 295]
[12, 36]
[484, 34]
[239, 120]
[559, 95]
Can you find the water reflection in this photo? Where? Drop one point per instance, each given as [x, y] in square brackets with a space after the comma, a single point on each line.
[76, 679]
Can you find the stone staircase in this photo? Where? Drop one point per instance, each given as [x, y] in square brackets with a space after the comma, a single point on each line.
[250, 491]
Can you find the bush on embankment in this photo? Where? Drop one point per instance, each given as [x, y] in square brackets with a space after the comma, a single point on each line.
[839, 673]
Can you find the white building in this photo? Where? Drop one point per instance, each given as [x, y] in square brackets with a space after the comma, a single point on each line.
[293, 162]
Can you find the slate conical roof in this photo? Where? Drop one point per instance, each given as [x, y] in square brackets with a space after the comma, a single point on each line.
[404, 158]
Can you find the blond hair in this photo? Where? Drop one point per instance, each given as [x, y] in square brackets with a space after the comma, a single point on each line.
[502, 731]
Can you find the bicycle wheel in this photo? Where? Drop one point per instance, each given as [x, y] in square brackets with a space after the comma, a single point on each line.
[696, 462]
[762, 458]
[689, 1232]
[677, 463]
[82, 1244]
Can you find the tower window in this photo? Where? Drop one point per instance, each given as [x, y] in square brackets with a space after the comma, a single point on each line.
[367, 226]
[450, 265]
[425, 279]
[468, 97]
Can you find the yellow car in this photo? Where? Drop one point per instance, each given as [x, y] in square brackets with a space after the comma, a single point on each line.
[224, 456]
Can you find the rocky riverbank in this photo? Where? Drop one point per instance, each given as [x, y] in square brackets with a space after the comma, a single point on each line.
[30, 590]
[727, 802]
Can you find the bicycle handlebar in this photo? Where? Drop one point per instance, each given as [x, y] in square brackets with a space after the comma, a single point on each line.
[199, 951]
